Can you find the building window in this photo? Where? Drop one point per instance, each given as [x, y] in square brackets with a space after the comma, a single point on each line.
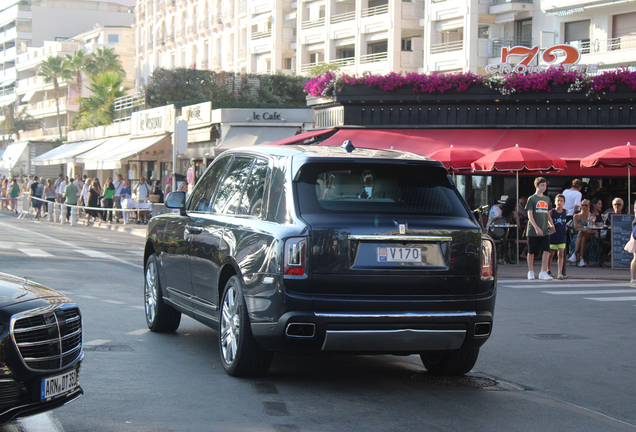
[577, 34]
[287, 63]
[377, 47]
[407, 44]
[483, 32]
[342, 53]
[113, 39]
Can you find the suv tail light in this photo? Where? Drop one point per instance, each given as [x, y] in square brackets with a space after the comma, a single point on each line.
[295, 256]
[487, 258]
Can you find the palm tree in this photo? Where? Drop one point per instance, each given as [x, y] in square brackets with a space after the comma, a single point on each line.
[76, 64]
[14, 123]
[53, 70]
[98, 108]
[105, 60]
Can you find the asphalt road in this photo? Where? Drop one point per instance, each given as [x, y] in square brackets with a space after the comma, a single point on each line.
[561, 357]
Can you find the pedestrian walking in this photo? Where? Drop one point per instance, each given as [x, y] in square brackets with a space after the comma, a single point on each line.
[70, 196]
[94, 193]
[126, 200]
[119, 184]
[539, 228]
[557, 239]
[84, 192]
[60, 184]
[14, 193]
[36, 189]
[4, 193]
[49, 195]
[107, 201]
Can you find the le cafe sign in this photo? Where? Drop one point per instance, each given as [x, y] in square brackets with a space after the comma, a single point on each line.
[570, 58]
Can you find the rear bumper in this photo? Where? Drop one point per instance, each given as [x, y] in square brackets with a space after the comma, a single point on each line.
[373, 332]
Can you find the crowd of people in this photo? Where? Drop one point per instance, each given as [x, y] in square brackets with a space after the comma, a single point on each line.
[571, 222]
[96, 200]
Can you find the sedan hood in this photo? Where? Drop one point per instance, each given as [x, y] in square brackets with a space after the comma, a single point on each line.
[14, 290]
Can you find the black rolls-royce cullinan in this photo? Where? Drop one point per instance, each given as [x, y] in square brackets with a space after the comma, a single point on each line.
[316, 248]
[40, 348]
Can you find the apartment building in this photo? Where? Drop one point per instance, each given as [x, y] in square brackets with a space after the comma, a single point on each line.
[29, 23]
[38, 97]
[214, 34]
[465, 35]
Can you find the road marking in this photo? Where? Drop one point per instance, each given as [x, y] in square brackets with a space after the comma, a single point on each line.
[97, 342]
[113, 302]
[560, 284]
[40, 423]
[611, 299]
[138, 307]
[35, 252]
[92, 253]
[138, 253]
[138, 332]
[590, 292]
[86, 296]
[67, 244]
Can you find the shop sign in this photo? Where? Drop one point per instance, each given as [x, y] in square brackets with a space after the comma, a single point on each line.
[198, 114]
[258, 116]
[568, 55]
[152, 121]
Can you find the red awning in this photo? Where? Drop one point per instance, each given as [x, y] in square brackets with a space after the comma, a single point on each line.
[572, 145]
[418, 141]
[296, 139]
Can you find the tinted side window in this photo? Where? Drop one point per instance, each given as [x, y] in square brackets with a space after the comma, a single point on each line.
[252, 200]
[204, 191]
[227, 199]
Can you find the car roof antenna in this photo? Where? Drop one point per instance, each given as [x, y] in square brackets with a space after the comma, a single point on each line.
[348, 146]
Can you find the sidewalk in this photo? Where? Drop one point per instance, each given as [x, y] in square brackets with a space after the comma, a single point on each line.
[512, 271]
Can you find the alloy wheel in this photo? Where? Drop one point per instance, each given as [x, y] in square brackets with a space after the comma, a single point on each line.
[151, 292]
[230, 325]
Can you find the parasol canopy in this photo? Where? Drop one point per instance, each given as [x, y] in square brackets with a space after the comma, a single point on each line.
[456, 159]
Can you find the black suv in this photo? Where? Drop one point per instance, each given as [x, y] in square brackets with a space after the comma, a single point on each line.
[316, 248]
[40, 348]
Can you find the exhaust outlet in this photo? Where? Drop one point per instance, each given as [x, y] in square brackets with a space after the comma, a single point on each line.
[301, 330]
[482, 329]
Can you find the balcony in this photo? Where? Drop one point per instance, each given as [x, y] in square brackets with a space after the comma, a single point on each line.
[374, 58]
[510, 41]
[8, 35]
[347, 16]
[412, 11]
[38, 133]
[242, 53]
[202, 26]
[261, 34]
[313, 24]
[229, 57]
[608, 45]
[190, 29]
[242, 7]
[8, 55]
[305, 68]
[412, 59]
[49, 106]
[35, 81]
[216, 62]
[505, 6]
[378, 10]
[346, 61]
[447, 47]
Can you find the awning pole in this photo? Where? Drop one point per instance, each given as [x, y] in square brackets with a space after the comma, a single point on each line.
[518, 219]
[629, 193]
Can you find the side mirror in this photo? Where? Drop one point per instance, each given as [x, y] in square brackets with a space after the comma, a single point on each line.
[176, 200]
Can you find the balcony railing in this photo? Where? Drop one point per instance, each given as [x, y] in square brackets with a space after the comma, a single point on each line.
[242, 7]
[305, 68]
[346, 61]
[229, 56]
[347, 16]
[378, 10]
[447, 46]
[179, 34]
[312, 24]
[169, 38]
[202, 25]
[262, 34]
[242, 53]
[510, 41]
[190, 28]
[500, 2]
[374, 58]
[216, 61]
[50, 103]
[607, 45]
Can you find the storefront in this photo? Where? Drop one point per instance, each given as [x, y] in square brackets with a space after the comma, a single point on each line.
[17, 159]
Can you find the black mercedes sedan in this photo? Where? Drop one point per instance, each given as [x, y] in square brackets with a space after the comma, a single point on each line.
[324, 249]
[40, 348]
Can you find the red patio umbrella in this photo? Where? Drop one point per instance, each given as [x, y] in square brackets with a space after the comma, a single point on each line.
[518, 159]
[456, 159]
[614, 157]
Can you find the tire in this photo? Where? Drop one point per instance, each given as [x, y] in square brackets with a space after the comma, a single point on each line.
[240, 354]
[160, 317]
[457, 362]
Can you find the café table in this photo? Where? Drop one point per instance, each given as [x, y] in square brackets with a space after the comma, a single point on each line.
[597, 230]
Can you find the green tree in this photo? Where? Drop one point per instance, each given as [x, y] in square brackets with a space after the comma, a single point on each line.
[322, 68]
[14, 123]
[105, 60]
[76, 64]
[98, 109]
[53, 70]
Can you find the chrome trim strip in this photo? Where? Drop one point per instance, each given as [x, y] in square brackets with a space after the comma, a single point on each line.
[396, 315]
[400, 238]
[179, 293]
[204, 303]
[409, 340]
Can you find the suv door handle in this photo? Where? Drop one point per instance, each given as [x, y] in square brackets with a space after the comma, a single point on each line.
[193, 229]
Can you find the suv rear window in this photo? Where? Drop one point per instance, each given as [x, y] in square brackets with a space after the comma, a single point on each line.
[377, 188]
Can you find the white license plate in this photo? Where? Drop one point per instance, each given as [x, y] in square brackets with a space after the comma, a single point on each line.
[400, 254]
[58, 385]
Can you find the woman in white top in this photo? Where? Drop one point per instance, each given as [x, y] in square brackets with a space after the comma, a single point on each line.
[84, 191]
[573, 198]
